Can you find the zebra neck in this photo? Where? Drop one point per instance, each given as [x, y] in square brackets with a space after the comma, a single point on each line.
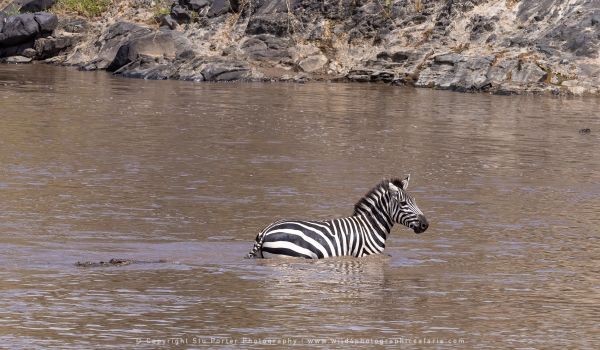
[377, 223]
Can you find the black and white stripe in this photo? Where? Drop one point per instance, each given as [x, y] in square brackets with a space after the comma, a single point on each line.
[363, 233]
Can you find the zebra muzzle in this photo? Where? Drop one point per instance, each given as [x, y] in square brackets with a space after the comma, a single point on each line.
[422, 225]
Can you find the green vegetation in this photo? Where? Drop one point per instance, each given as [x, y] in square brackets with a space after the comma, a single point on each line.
[162, 7]
[12, 10]
[87, 8]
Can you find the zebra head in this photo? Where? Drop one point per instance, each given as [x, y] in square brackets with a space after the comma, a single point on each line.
[403, 208]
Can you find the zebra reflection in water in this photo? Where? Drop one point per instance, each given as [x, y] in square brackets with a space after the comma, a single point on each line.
[296, 280]
[363, 233]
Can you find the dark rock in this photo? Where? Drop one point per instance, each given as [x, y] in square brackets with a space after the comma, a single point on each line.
[267, 47]
[88, 67]
[453, 9]
[501, 71]
[167, 21]
[30, 53]
[181, 14]
[164, 44]
[219, 7]
[47, 21]
[399, 56]
[237, 5]
[253, 45]
[195, 5]
[418, 19]
[124, 29]
[507, 90]
[456, 72]
[519, 41]
[531, 8]
[491, 39]
[383, 76]
[481, 25]
[360, 75]
[186, 55]
[583, 44]
[585, 131]
[275, 24]
[547, 50]
[147, 69]
[225, 71]
[49, 47]
[112, 39]
[267, 7]
[19, 32]
[36, 5]
[15, 50]
[449, 58]
[527, 73]
[19, 29]
[574, 30]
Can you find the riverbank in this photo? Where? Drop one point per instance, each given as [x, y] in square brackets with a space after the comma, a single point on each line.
[503, 47]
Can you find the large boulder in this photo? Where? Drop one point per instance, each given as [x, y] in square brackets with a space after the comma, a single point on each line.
[47, 21]
[19, 29]
[109, 43]
[159, 45]
[313, 63]
[17, 33]
[457, 72]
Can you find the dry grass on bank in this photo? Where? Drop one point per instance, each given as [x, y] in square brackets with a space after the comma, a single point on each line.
[87, 8]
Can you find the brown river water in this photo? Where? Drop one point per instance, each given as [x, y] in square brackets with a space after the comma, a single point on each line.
[94, 167]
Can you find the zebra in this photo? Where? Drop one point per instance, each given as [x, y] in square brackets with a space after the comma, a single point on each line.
[363, 233]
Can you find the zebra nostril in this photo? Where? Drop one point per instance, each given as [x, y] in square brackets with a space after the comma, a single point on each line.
[424, 224]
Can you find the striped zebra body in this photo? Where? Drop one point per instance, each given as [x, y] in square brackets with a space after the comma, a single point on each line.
[363, 233]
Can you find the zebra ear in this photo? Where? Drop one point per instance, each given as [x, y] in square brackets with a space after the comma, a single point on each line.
[393, 188]
[404, 182]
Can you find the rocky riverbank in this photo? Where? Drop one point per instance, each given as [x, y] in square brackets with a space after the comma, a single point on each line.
[504, 47]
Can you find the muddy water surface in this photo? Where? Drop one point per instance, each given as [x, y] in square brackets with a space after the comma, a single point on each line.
[93, 167]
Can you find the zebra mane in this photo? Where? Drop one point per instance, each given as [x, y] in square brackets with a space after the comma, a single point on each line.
[383, 184]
